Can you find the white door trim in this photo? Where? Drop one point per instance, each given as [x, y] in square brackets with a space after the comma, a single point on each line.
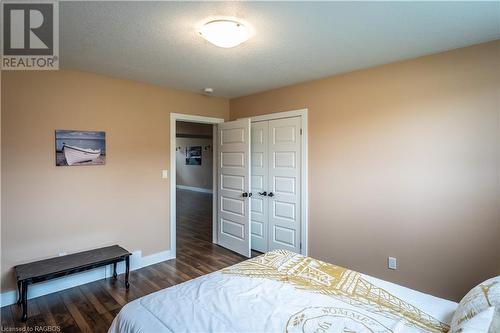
[174, 117]
[304, 188]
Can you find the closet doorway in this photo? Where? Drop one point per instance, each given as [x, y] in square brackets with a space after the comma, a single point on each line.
[276, 184]
[262, 190]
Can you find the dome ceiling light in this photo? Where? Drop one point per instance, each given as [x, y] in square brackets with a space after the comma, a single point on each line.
[225, 33]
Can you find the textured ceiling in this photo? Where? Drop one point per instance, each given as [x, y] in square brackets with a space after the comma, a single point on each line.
[156, 42]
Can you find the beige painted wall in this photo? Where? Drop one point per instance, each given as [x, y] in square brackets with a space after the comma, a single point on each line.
[49, 209]
[404, 162]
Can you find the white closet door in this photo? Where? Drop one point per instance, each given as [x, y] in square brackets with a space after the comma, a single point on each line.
[284, 184]
[259, 200]
[233, 170]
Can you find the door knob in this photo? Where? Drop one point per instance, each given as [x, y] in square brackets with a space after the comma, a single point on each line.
[263, 193]
[271, 194]
[245, 194]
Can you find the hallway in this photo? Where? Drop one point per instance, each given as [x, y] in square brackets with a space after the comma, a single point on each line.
[194, 218]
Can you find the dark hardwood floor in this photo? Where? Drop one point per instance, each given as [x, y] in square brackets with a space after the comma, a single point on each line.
[92, 307]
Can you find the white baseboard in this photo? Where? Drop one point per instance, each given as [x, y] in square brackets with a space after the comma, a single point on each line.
[136, 261]
[195, 189]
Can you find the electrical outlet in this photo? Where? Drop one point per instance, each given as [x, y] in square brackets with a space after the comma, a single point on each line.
[164, 174]
[392, 263]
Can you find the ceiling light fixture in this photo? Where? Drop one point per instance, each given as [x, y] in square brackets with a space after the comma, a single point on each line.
[225, 33]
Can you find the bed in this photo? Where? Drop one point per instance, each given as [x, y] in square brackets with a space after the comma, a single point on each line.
[282, 291]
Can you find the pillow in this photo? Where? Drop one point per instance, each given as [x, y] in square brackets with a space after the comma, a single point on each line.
[477, 300]
[481, 323]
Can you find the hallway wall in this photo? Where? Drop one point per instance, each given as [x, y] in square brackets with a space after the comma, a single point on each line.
[194, 135]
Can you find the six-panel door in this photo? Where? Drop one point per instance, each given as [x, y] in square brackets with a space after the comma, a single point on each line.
[276, 170]
[284, 184]
[233, 170]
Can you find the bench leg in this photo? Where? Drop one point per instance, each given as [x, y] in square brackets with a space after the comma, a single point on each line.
[19, 292]
[25, 301]
[127, 270]
[114, 271]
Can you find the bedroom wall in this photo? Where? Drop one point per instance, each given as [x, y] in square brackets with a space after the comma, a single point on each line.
[46, 209]
[404, 162]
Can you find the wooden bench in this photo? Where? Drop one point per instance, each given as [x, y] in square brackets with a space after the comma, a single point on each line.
[52, 268]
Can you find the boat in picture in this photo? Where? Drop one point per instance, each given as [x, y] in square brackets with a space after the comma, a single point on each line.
[75, 154]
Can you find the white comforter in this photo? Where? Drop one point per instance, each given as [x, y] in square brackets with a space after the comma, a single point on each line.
[221, 302]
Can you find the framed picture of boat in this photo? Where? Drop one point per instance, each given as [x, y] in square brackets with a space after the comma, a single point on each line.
[80, 148]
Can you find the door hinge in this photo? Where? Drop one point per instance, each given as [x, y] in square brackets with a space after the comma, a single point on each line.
[301, 131]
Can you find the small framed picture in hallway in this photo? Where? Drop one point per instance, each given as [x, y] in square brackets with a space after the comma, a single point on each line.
[193, 155]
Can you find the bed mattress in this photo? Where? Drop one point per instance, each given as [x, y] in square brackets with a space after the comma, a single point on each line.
[282, 291]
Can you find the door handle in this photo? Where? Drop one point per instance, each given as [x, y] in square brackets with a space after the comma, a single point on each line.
[263, 193]
[245, 195]
[271, 194]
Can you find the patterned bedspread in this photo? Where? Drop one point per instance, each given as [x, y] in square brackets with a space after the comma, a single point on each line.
[350, 287]
[282, 291]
